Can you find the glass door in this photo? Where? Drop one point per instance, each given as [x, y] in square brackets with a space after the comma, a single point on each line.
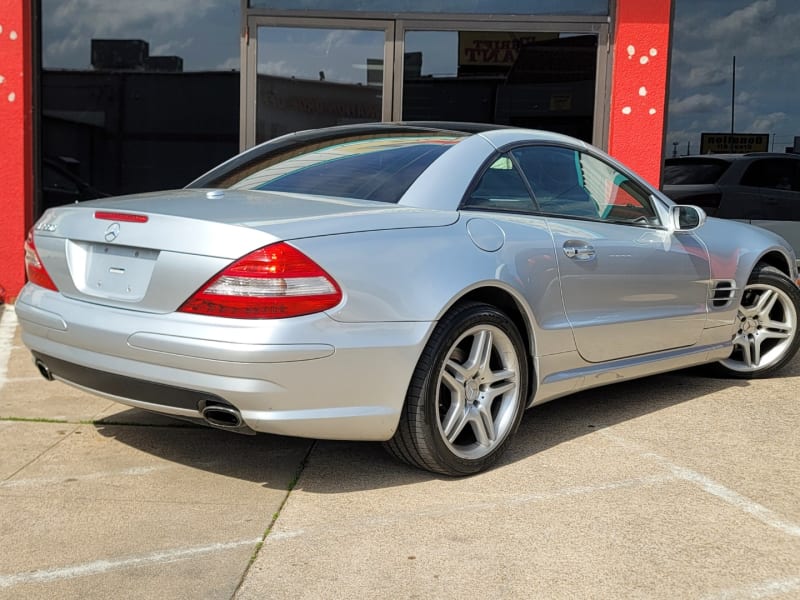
[308, 73]
[535, 75]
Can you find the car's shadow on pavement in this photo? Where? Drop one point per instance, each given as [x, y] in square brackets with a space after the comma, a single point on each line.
[354, 466]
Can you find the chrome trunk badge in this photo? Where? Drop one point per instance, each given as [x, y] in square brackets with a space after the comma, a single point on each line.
[112, 231]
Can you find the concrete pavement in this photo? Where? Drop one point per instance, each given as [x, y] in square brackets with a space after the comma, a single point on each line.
[676, 486]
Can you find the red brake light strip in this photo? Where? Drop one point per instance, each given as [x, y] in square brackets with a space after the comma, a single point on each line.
[119, 216]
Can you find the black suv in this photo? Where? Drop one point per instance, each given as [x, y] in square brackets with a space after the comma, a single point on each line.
[761, 188]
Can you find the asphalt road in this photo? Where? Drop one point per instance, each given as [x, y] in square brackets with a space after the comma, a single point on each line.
[675, 486]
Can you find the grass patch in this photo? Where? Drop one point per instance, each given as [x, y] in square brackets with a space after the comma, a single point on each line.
[34, 420]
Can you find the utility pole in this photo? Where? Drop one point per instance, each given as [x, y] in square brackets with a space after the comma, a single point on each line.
[733, 97]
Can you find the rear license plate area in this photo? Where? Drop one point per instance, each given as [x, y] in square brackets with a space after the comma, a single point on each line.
[111, 271]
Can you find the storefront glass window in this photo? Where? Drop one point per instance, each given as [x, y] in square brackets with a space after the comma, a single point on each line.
[136, 96]
[512, 7]
[313, 77]
[542, 80]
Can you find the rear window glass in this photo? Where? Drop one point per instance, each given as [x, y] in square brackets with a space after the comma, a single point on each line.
[380, 169]
[694, 172]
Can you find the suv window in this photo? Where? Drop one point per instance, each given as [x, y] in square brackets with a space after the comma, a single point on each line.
[774, 173]
[693, 172]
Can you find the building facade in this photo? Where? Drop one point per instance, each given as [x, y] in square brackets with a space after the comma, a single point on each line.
[92, 105]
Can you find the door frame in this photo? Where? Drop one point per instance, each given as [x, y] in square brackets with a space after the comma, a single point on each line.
[248, 98]
[395, 27]
[600, 120]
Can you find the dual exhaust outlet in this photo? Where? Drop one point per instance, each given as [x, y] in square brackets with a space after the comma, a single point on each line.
[222, 416]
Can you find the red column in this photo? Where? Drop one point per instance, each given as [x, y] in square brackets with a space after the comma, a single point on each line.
[640, 57]
[16, 137]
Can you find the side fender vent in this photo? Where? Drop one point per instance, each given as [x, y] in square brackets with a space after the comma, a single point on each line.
[722, 293]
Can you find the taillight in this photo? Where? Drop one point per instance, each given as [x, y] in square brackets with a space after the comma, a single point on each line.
[34, 268]
[274, 282]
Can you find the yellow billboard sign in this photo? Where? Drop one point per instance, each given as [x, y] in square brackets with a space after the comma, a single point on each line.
[737, 143]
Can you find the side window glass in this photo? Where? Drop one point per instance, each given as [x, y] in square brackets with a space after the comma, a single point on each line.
[501, 187]
[776, 174]
[572, 183]
[555, 177]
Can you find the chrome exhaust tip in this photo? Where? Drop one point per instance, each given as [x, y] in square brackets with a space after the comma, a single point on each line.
[225, 417]
[44, 370]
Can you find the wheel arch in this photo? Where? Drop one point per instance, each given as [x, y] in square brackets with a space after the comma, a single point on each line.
[505, 301]
[777, 260]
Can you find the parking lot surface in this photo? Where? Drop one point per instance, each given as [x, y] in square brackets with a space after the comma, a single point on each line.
[675, 486]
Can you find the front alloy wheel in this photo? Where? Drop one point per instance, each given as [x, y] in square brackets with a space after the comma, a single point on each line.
[765, 338]
[467, 394]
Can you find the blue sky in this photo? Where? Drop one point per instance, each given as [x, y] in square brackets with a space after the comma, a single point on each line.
[764, 35]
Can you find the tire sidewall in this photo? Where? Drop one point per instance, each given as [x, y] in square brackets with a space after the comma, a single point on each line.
[773, 277]
[458, 323]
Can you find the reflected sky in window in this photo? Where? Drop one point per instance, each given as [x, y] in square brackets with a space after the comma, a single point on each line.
[204, 33]
[763, 35]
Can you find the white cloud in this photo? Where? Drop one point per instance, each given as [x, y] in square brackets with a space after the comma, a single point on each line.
[706, 75]
[171, 47]
[98, 18]
[279, 68]
[697, 103]
[768, 122]
[757, 16]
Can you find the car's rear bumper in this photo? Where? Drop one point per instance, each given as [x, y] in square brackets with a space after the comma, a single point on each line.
[309, 376]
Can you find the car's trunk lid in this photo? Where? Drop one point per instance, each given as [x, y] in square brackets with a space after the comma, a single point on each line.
[150, 252]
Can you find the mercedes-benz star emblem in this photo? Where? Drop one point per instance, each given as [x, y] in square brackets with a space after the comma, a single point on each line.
[112, 232]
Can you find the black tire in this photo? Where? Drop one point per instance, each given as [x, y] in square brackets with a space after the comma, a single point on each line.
[467, 394]
[766, 337]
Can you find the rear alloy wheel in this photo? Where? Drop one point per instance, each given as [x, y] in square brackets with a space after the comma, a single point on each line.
[467, 394]
[766, 337]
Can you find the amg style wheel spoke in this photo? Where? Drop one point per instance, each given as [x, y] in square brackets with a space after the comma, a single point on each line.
[479, 394]
[766, 329]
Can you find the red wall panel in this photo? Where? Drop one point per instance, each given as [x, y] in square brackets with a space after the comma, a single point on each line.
[640, 59]
[16, 200]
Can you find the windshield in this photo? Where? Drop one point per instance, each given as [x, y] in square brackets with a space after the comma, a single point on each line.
[694, 172]
[379, 168]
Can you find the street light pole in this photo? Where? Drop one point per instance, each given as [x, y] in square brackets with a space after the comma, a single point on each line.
[733, 95]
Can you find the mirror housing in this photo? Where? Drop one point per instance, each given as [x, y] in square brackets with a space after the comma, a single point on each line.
[687, 217]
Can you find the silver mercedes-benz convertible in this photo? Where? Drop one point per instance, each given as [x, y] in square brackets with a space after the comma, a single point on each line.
[414, 284]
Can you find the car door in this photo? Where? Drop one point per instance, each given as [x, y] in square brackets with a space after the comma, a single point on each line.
[630, 286]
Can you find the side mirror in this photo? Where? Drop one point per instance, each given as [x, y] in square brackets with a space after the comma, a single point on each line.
[687, 217]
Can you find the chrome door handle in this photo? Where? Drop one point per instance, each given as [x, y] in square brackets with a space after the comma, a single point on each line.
[578, 250]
